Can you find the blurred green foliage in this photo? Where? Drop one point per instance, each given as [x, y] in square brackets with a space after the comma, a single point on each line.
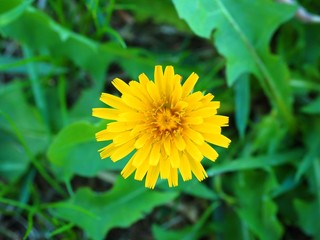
[257, 57]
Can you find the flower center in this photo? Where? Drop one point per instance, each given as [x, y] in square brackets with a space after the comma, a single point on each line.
[167, 120]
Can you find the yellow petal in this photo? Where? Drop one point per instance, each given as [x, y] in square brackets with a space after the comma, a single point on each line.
[105, 135]
[173, 177]
[153, 91]
[113, 101]
[208, 151]
[174, 158]
[194, 98]
[155, 154]
[143, 79]
[177, 91]
[164, 167]
[140, 142]
[204, 112]
[122, 151]
[138, 129]
[119, 127]
[197, 169]
[167, 145]
[185, 168]
[168, 72]
[158, 79]
[168, 78]
[207, 128]
[189, 84]
[142, 170]
[121, 85]
[194, 120]
[214, 104]
[174, 174]
[141, 155]
[179, 142]
[217, 139]
[193, 150]
[106, 151]
[180, 106]
[139, 91]
[133, 102]
[130, 116]
[152, 176]
[207, 98]
[218, 120]
[105, 113]
[121, 138]
[196, 137]
[128, 169]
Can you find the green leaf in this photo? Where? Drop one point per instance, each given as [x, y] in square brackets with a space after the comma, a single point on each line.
[255, 206]
[187, 233]
[160, 233]
[269, 127]
[308, 217]
[144, 11]
[313, 107]
[312, 141]
[97, 213]
[75, 151]
[196, 189]
[13, 158]
[23, 134]
[263, 161]
[243, 30]
[285, 186]
[14, 65]
[93, 7]
[24, 117]
[228, 224]
[11, 9]
[242, 103]
[62, 43]
[40, 33]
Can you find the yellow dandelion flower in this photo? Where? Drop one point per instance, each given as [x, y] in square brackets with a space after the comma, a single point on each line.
[164, 124]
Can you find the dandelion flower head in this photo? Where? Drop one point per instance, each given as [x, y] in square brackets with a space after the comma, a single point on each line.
[165, 126]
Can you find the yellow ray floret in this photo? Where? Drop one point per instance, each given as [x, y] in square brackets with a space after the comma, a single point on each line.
[165, 126]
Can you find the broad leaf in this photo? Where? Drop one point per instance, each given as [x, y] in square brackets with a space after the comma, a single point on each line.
[63, 43]
[257, 162]
[23, 134]
[11, 9]
[13, 158]
[313, 107]
[187, 233]
[312, 142]
[91, 56]
[75, 151]
[143, 10]
[255, 206]
[196, 189]
[15, 65]
[242, 103]
[97, 213]
[24, 118]
[308, 217]
[243, 29]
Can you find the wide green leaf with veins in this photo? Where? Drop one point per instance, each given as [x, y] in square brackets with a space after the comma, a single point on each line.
[242, 33]
[96, 213]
